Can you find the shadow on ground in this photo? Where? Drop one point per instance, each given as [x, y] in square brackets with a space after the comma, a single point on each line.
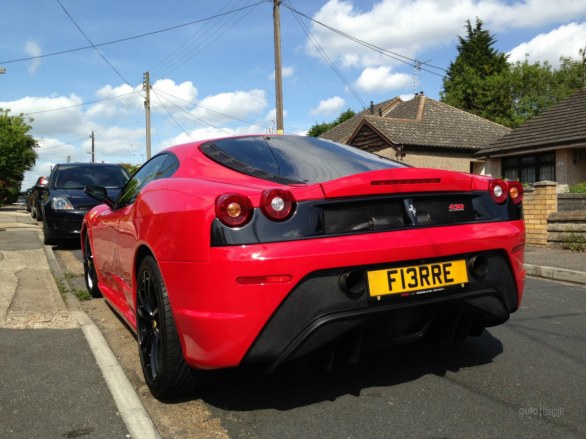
[303, 383]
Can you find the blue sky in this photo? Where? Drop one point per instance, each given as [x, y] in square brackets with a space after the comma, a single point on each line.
[211, 63]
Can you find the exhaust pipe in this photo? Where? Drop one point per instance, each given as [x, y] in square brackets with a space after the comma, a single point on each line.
[353, 282]
[478, 265]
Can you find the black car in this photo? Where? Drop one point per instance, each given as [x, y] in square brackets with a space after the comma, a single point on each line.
[28, 197]
[36, 197]
[65, 202]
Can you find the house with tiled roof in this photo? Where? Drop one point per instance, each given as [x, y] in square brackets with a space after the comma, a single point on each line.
[421, 132]
[549, 147]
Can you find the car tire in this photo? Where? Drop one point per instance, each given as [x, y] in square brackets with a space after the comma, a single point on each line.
[38, 214]
[89, 270]
[33, 213]
[165, 370]
[49, 237]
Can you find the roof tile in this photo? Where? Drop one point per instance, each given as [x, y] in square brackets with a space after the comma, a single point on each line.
[562, 124]
[423, 122]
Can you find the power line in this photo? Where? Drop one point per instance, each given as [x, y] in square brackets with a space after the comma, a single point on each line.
[183, 110]
[62, 144]
[134, 37]
[394, 55]
[93, 45]
[79, 105]
[326, 58]
[223, 115]
[210, 33]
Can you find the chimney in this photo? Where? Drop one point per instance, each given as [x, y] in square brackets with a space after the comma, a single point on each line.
[380, 112]
[371, 108]
[421, 93]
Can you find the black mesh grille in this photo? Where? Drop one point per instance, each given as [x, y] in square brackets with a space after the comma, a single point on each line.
[381, 214]
[354, 217]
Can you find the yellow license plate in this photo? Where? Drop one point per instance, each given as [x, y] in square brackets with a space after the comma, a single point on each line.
[417, 279]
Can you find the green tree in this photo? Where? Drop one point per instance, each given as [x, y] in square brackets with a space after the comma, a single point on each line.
[319, 128]
[17, 153]
[482, 82]
[130, 167]
[536, 87]
[471, 79]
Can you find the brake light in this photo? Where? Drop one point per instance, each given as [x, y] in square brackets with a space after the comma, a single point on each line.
[277, 204]
[233, 210]
[498, 190]
[516, 192]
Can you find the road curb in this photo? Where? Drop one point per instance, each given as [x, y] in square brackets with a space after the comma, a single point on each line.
[129, 405]
[557, 274]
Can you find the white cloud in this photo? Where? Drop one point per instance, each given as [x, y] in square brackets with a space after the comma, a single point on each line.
[51, 115]
[407, 28]
[32, 48]
[117, 100]
[211, 133]
[329, 106]
[286, 72]
[563, 41]
[168, 94]
[223, 107]
[116, 142]
[165, 95]
[381, 79]
[271, 118]
[529, 13]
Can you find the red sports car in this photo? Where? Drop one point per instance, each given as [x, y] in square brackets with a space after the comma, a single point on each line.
[262, 249]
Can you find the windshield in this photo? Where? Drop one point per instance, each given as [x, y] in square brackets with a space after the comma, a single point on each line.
[293, 159]
[80, 176]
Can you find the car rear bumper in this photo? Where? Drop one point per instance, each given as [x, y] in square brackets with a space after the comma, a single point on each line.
[64, 225]
[225, 322]
[318, 312]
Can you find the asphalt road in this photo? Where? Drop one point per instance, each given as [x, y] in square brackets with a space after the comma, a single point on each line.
[523, 379]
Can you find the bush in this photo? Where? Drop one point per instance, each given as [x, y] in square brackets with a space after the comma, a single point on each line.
[579, 188]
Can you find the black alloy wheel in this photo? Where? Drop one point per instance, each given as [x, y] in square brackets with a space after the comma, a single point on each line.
[89, 270]
[165, 370]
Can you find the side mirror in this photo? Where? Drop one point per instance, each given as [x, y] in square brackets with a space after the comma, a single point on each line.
[99, 193]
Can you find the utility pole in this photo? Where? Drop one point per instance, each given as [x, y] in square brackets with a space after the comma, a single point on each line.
[278, 68]
[93, 147]
[147, 107]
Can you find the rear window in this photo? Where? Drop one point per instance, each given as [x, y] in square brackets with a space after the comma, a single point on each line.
[293, 159]
[80, 176]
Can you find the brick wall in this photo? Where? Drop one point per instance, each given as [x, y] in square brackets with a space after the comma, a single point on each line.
[538, 204]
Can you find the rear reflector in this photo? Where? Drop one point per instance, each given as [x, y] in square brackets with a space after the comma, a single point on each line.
[260, 280]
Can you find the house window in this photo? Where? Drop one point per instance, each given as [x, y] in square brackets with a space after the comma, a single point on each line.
[531, 168]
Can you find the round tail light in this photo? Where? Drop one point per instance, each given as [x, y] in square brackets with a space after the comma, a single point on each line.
[233, 210]
[277, 204]
[498, 190]
[515, 192]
